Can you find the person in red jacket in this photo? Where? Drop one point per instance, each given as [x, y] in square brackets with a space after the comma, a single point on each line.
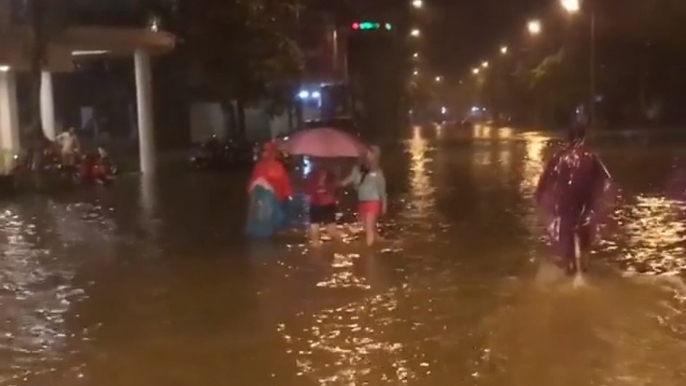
[320, 188]
[270, 171]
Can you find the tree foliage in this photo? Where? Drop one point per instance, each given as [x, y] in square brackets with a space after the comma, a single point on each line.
[245, 49]
[639, 61]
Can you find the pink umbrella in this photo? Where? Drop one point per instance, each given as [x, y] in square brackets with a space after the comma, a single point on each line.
[325, 143]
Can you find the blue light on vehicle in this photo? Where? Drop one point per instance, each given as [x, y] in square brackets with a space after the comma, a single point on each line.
[307, 166]
[304, 94]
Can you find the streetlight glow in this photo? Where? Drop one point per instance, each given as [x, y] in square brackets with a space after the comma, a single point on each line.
[415, 32]
[416, 55]
[417, 3]
[484, 64]
[503, 50]
[571, 6]
[415, 73]
[439, 79]
[534, 27]
[475, 71]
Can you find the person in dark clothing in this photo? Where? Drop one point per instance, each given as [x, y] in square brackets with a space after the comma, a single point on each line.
[321, 190]
[571, 195]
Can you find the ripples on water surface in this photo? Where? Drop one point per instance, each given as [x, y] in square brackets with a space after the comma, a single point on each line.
[149, 283]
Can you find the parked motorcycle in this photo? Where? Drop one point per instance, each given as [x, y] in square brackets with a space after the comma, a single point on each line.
[217, 155]
[95, 167]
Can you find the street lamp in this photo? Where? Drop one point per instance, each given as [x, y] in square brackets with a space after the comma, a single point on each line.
[573, 7]
[415, 32]
[484, 64]
[534, 27]
[417, 4]
[475, 71]
[439, 79]
[415, 73]
[416, 55]
[503, 50]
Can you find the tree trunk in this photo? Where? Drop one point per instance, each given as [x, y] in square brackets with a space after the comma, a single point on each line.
[290, 116]
[240, 115]
[230, 111]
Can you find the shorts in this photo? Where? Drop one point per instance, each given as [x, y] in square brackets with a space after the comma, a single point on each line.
[368, 207]
[323, 214]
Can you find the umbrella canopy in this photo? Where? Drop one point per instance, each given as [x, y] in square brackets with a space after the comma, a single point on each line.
[324, 143]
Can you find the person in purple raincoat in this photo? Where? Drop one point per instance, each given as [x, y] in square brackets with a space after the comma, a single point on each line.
[571, 196]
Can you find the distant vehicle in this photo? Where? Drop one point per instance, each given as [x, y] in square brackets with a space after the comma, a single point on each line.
[342, 123]
[467, 124]
[215, 154]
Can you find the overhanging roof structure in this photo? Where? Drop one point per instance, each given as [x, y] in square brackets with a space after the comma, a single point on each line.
[16, 43]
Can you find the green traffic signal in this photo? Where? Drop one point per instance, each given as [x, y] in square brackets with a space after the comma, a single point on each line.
[368, 26]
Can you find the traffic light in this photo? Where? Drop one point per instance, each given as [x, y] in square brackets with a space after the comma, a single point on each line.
[370, 26]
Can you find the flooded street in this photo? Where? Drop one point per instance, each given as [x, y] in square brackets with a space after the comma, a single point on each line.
[152, 283]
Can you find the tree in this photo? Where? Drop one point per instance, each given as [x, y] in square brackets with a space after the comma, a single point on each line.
[245, 50]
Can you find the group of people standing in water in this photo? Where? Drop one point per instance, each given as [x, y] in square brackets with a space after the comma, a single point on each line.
[270, 190]
[571, 198]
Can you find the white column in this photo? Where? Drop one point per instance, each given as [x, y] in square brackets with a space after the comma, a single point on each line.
[9, 115]
[146, 139]
[148, 203]
[47, 106]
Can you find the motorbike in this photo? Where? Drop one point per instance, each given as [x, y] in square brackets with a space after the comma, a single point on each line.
[221, 155]
[94, 168]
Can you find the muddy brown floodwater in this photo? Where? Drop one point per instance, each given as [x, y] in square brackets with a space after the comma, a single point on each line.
[150, 282]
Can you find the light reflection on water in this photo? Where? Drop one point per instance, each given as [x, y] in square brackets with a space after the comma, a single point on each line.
[83, 305]
[655, 234]
[35, 297]
[421, 188]
[533, 162]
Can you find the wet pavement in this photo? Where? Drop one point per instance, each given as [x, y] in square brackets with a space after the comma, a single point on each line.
[151, 282]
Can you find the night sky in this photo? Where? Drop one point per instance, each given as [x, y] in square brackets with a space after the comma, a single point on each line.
[461, 33]
[457, 34]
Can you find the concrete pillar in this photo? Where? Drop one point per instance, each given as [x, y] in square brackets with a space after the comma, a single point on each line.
[9, 115]
[146, 138]
[148, 204]
[47, 106]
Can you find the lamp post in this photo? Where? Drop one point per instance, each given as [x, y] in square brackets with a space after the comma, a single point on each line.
[573, 7]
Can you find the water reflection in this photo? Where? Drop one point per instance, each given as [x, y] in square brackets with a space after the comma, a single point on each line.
[346, 345]
[655, 235]
[421, 188]
[82, 305]
[35, 296]
[533, 162]
[482, 132]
